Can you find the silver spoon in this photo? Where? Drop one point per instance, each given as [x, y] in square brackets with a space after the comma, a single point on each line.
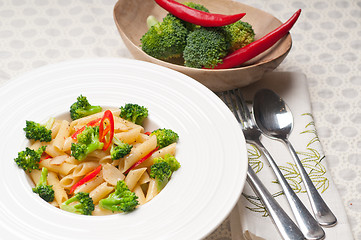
[275, 120]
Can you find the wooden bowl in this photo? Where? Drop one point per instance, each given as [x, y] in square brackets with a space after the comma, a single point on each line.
[130, 18]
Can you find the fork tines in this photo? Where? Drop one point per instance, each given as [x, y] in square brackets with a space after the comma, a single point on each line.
[234, 100]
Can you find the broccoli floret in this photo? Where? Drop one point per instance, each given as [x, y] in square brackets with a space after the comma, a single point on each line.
[82, 108]
[205, 47]
[29, 159]
[165, 137]
[121, 200]
[165, 40]
[44, 190]
[119, 149]
[239, 34]
[200, 7]
[197, 6]
[134, 113]
[83, 204]
[162, 170]
[88, 142]
[36, 131]
[170, 159]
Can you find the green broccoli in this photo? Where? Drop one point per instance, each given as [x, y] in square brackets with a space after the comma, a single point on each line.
[82, 108]
[239, 34]
[121, 200]
[83, 204]
[29, 159]
[165, 40]
[36, 131]
[134, 113]
[170, 159]
[88, 142]
[44, 190]
[165, 137]
[205, 47]
[119, 149]
[162, 170]
[200, 7]
[197, 6]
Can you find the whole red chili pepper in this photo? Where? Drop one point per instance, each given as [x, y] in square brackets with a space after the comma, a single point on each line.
[198, 17]
[259, 46]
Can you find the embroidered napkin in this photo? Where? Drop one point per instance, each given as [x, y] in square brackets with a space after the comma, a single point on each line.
[249, 219]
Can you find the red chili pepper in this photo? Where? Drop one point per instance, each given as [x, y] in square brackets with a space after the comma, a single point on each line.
[257, 47]
[148, 133]
[85, 179]
[108, 116]
[141, 160]
[198, 17]
[91, 124]
[44, 156]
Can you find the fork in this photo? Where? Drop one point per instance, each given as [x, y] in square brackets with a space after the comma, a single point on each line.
[307, 224]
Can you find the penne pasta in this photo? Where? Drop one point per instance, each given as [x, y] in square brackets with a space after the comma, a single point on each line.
[63, 133]
[129, 136]
[35, 176]
[112, 174]
[92, 184]
[60, 194]
[119, 125]
[83, 168]
[58, 160]
[139, 152]
[76, 124]
[145, 178]
[37, 144]
[100, 192]
[133, 177]
[67, 144]
[69, 180]
[152, 190]
[52, 150]
[64, 168]
[170, 149]
[55, 128]
[99, 211]
[140, 194]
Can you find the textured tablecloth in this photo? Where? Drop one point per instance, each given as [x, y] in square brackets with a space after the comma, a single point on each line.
[326, 48]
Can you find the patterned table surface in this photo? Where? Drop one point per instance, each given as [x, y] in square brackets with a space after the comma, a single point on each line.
[326, 47]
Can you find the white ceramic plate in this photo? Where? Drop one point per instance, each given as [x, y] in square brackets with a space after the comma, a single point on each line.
[211, 150]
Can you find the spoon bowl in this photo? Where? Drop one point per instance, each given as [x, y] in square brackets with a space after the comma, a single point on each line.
[275, 120]
[130, 19]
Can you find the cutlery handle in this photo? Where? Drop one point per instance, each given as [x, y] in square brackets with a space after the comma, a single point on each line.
[286, 227]
[322, 212]
[308, 225]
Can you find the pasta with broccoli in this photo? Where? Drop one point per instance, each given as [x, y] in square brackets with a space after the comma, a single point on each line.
[101, 162]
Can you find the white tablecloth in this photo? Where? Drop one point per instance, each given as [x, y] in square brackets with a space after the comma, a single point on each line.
[326, 48]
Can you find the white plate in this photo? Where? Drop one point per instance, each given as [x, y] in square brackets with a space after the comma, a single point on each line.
[211, 150]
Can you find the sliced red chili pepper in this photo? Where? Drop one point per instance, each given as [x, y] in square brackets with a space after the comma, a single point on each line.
[198, 17]
[89, 124]
[257, 47]
[85, 179]
[44, 156]
[148, 133]
[141, 160]
[108, 116]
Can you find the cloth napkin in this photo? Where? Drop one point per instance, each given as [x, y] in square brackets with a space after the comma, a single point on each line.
[249, 220]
